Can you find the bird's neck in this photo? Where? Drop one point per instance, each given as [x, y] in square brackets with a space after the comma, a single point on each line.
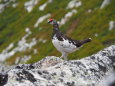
[55, 28]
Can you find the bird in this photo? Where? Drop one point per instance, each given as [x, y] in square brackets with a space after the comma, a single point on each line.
[65, 45]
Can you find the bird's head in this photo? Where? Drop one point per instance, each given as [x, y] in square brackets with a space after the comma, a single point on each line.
[52, 21]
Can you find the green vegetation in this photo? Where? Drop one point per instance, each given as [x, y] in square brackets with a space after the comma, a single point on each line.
[13, 22]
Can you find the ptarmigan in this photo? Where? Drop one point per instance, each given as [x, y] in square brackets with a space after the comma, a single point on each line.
[64, 44]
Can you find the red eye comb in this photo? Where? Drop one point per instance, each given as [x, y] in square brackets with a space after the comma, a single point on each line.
[50, 19]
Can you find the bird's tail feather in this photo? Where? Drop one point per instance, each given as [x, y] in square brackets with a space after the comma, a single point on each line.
[86, 40]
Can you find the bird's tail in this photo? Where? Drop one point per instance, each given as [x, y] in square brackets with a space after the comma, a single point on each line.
[86, 40]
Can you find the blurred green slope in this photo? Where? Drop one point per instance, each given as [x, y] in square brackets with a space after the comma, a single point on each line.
[81, 25]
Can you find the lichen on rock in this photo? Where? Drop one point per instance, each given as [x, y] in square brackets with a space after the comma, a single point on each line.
[53, 71]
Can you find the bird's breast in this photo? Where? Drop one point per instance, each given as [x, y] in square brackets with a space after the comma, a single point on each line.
[63, 46]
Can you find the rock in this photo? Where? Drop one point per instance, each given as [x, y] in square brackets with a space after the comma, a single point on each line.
[22, 45]
[43, 6]
[3, 79]
[111, 25]
[53, 71]
[73, 4]
[109, 80]
[67, 16]
[4, 68]
[41, 19]
[105, 3]
[6, 3]
[1, 7]
[30, 4]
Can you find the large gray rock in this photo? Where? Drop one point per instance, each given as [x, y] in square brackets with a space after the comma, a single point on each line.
[53, 71]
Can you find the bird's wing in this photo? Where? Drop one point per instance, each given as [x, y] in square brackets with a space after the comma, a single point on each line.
[67, 42]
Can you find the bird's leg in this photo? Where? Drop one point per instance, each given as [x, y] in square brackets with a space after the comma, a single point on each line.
[64, 55]
[61, 56]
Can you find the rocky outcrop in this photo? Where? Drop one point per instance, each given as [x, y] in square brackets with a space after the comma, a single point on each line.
[53, 71]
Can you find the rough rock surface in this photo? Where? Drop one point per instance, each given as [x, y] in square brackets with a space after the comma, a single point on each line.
[53, 71]
[109, 79]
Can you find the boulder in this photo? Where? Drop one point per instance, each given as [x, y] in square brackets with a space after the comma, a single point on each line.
[53, 71]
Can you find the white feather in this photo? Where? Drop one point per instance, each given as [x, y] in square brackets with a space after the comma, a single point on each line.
[64, 46]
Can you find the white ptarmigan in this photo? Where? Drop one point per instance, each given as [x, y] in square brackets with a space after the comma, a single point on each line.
[64, 44]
